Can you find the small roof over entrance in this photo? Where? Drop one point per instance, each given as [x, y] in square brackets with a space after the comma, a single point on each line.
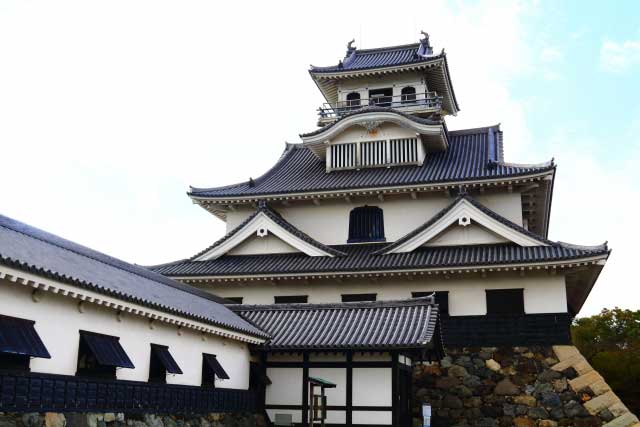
[359, 326]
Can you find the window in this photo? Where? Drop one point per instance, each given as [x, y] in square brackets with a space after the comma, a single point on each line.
[99, 355]
[505, 301]
[233, 300]
[353, 100]
[366, 224]
[442, 299]
[381, 97]
[291, 299]
[19, 341]
[211, 368]
[408, 94]
[358, 297]
[161, 364]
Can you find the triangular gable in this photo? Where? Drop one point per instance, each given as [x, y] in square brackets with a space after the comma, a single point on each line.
[263, 223]
[464, 212]
[472, 234]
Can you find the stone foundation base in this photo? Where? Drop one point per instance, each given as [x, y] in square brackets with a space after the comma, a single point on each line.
[521, 386]
[51, 419]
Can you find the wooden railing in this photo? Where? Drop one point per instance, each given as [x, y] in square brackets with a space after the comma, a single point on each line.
[33, 392]
[412, 102]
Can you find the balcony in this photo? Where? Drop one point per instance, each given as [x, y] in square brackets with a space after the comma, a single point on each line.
[414, 103]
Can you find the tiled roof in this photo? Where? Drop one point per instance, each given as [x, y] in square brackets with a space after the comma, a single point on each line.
[30, 249]
[473, 155]
[363, 258]
[408, 324]
[277, 218]
[362, 59]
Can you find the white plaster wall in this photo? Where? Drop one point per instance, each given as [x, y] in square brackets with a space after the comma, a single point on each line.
[58, 322]
[372, 387]
[372, 418]
[285, 387]
[329, 222]
[269, 244]
[395, 81]
[543, 293]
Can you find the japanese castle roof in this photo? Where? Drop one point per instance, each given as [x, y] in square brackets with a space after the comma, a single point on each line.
[29, 249]
[380, 257]
[365, 59]
[406, 324]
[473, 155]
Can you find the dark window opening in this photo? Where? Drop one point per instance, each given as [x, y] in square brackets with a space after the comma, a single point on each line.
[291, 299]
[233, 300]
[88, 365]
[358, 297]
[161, 364]
[157, 371]
[442, 299]
[19, 341]
[366, 224]
[99, 355]
[408, 94]
[505, 301]
[381, 97]
[14, 362]
[211, 368]
[353, 100]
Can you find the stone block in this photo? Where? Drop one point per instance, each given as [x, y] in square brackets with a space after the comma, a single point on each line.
[493, 365]
[525, 400]
[599, 387]
[567, 363]
[54, 419]
[582, 367]
[601, 402]
[624, 420]
[585, 380]
[618, 409]
[563, 352]
[523, 422]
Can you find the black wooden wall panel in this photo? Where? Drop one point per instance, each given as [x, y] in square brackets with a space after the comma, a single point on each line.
[32, 392]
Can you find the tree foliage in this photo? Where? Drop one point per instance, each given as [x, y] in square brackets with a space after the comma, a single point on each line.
[611, 343]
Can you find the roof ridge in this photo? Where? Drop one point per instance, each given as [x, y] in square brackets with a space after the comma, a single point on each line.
[289, 148]
[426, 300]
[95, 256]
[388, 48]
[473, 130]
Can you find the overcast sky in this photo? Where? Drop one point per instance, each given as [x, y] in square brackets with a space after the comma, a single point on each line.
[110, 109]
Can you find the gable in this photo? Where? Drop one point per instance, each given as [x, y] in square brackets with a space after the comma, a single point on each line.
[472, 234]
[265, 223]
[269, 244]
[448, 227]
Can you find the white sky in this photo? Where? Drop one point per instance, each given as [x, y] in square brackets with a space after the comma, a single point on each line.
[109, 110]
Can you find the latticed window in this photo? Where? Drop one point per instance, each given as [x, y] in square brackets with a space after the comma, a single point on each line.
[366, 224]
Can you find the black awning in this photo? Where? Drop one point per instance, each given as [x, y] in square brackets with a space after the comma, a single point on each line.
[212, 361]
[107, 350]
[167, 360]
[18, 336]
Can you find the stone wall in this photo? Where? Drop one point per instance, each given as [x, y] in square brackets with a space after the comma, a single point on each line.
[51, 419]
[521, 386]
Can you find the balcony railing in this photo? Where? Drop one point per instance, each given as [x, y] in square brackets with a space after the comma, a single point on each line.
[418, 102]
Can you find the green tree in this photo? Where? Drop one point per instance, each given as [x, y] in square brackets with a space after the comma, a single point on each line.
[611, 343]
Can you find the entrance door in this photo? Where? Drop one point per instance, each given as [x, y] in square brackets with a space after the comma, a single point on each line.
[404, 396]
